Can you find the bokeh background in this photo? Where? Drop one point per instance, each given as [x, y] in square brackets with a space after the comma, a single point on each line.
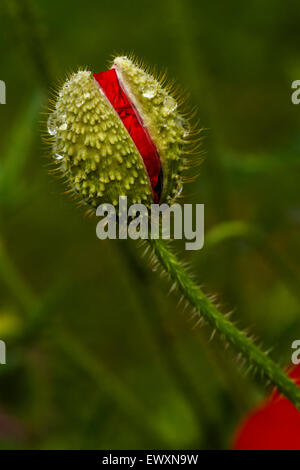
[98, 355]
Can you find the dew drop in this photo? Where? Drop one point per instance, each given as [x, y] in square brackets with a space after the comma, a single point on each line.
[58, 157]
[169, 104]
[52, 124]
[179, 191]
[149, 92]
[182, 124]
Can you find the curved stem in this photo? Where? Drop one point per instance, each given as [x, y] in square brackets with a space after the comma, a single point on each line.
[244, 345]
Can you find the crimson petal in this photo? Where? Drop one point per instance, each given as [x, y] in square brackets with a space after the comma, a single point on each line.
[132, 121]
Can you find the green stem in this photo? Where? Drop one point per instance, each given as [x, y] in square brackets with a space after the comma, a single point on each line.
[252, 353]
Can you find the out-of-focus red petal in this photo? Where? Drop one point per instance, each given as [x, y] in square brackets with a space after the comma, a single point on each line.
[275, 425]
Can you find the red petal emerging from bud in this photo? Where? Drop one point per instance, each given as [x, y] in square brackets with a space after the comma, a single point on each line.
[118, 98]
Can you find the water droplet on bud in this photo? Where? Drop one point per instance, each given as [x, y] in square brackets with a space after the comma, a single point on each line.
[52, 124]
[149, 93]
[169, 104]
[58, 157]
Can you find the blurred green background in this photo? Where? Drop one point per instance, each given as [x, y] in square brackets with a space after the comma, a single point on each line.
[98, 356]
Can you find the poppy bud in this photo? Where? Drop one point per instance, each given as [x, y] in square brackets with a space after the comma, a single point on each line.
[118, 133]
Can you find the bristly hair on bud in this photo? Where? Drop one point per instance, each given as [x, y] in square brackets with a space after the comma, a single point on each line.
[119, 133]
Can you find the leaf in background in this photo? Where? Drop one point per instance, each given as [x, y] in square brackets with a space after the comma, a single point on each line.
[13, 187]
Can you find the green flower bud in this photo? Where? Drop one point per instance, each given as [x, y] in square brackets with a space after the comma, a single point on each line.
[99, 138]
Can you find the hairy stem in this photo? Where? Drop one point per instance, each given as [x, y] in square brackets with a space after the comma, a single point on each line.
[244, 345]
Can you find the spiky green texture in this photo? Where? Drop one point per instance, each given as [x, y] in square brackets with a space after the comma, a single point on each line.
[239, 340]
[95, 151]
[93, 148]
[159, 112]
